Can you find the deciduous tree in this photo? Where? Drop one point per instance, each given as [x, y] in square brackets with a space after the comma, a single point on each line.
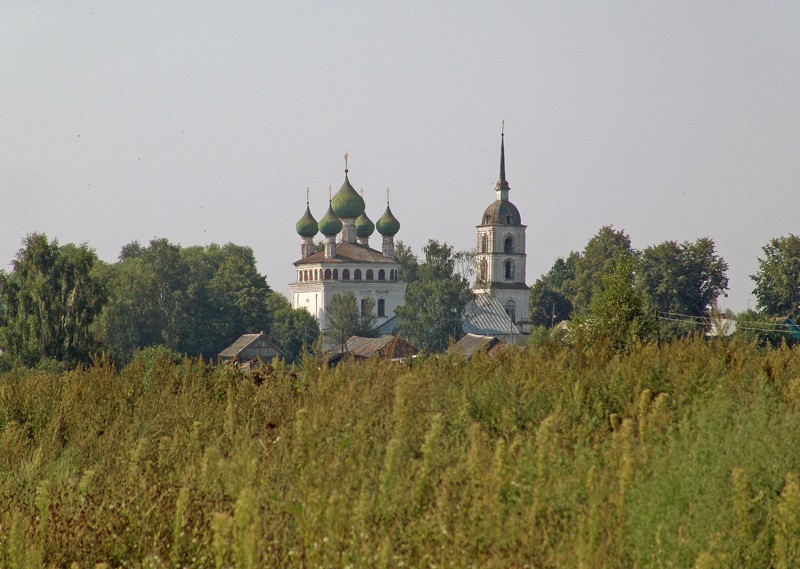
[435, 302]
[50, 299]
[778, 278]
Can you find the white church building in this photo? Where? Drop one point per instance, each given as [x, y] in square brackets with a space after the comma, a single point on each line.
[347, 262]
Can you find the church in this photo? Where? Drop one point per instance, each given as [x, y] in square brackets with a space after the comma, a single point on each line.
[348, 263]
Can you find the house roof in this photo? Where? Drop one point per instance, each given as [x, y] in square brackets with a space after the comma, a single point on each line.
[348, 253]
[245, 341]
[386, 346]
[486, 316]
[470, 344]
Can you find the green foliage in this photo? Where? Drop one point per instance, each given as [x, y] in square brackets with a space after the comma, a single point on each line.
[409, 263]
[679, 456]
[293, 330]
[435, 301]
[548, 306]
[778, 278]
[764, 330]
[195, 300]
[346, 318]
[684, 280]
[50, 301]
[596, 260]
[619, 310]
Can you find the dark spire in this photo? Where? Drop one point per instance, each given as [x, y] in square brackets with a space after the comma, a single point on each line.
[502, 153]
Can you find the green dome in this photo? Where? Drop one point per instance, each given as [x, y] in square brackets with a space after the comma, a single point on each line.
[364, 226]
[388, 225]
[307, 226]
[501, 212]
[347, 203]
[330, 224]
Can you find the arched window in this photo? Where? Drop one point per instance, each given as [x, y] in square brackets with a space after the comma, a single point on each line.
[509, 274]
[346, 275]
[364, 307]
[508, 220]
[511, 310]
[486, 219]
[381, 307]
[369, 275]
[336, 274]
[327, 276]
[484, 248]
[357, 275]
[381, 275]
[316, 274]
[483, 270]
[393, 275]
[508, 244]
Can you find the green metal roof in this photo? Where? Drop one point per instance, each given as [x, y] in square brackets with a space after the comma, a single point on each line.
[307, 225]
[364, 226]
[347, 203]
[388, 225]
[330, 224]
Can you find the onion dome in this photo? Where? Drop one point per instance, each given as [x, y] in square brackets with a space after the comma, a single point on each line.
[330, 225]
[364, 226]
[387, 225]
[307, 225]
[347, 203]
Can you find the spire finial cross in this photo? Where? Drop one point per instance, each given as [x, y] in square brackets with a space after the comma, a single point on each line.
[503, 128]
[306, 195]
[387, 195]
[346, 156]
[330, 193]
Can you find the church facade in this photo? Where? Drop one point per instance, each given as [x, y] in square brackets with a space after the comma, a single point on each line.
[500, 253]
[347, 262]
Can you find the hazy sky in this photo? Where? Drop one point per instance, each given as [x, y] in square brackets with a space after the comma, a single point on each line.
[204, 122]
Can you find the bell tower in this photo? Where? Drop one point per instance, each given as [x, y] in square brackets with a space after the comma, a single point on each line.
[500, 259]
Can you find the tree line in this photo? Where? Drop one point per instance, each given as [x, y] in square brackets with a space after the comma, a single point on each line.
[60, 303]
[663, 292]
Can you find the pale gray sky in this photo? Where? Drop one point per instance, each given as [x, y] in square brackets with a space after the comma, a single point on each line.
[205, 121]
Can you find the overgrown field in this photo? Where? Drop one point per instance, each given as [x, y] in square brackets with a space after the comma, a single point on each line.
[680, 456]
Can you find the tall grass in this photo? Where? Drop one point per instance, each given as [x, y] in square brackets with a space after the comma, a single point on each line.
[679, 456]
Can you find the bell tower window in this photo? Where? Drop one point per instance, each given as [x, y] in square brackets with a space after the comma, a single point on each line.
[509, 269]
[508, 245]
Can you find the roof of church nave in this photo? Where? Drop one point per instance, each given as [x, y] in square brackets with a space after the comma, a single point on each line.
[348, 253]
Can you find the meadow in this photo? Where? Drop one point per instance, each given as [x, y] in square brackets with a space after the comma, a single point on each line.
[683, 455]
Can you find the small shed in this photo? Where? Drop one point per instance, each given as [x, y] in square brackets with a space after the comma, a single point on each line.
[360, 348]
[471, 344]
[250, 347]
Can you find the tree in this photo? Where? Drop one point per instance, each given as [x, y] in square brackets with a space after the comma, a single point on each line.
[435, 301]
[293, 330]
[683, 279]
[345, 318]
[409, 263]
[194, 300]
[777, 281]
[596, 260]
[548, 306]
[550, 297]
[618, 310]
[50, 299]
